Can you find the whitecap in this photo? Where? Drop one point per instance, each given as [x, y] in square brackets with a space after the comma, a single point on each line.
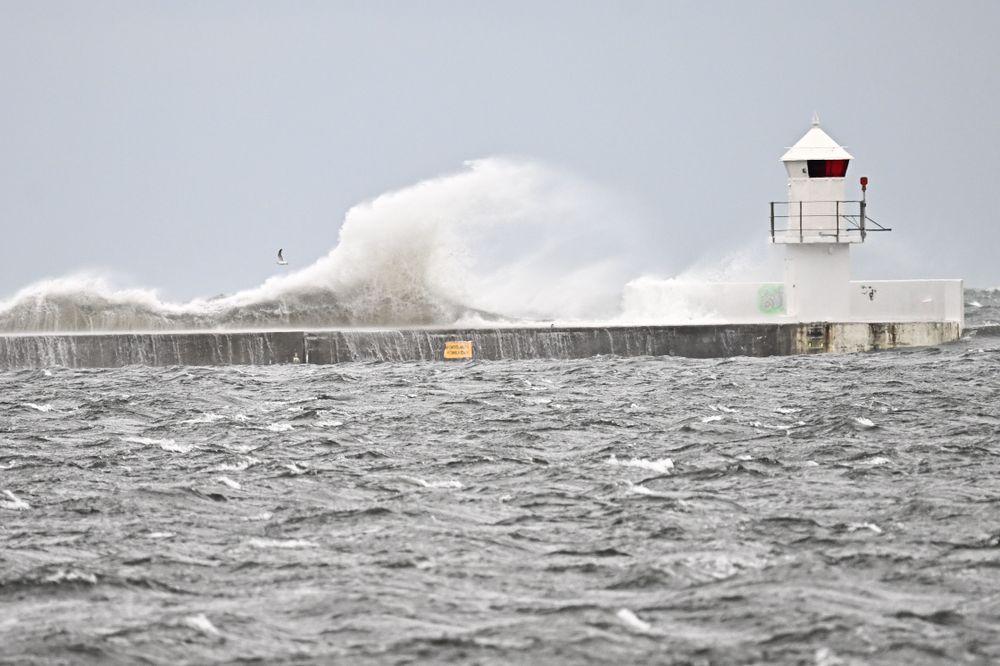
[787, 410]
[712, 419]
[294, 469]
[161, 535]
[36, 407]
[632, 621]
[854, 527]
[281, 543]
[329, 424]
[637, 489]
[826, 657]
[877, 460]
[723, 409]
[263, 515]
[47, 373]
[243, 464]
[15, 503]
[71, 576]
[434, 484]
[207, 417]
[229, 482]
[864, 422]
[975, 304]
[170, 445]
[280, 427]
[776, 426]
[662, 466]
[201, 623]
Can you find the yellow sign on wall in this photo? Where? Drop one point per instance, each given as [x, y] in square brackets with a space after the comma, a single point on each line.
[458, 350]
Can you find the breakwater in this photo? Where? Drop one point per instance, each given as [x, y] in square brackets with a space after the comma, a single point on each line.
[417, 344]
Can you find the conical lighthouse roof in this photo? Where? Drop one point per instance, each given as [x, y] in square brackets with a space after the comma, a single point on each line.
[816, 145]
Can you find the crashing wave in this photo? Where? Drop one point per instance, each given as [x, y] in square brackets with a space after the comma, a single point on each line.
[501, 239]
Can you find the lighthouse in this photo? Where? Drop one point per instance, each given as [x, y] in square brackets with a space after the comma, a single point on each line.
[817, 225]
[814, 228]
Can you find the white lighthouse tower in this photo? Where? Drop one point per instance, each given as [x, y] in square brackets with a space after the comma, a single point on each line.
[817, 226]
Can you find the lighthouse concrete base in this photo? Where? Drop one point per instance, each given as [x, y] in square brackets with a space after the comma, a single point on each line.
[400, 345]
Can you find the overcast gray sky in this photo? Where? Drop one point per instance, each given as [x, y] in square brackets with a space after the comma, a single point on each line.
[180, 143]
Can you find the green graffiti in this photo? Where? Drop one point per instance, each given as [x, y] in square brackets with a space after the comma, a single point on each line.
[771, 299]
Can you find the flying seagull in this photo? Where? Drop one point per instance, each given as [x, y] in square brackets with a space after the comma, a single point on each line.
[281, 258]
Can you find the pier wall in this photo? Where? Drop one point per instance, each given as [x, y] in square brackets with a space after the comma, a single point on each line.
[339, 346]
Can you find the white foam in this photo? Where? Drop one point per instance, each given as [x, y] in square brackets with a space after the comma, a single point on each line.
[71, 576]
[207, 417]
[36, 407]
[166, 444]
[638, 489]
[243, 464]
[229, 482]
[632, 621]
[14, 503]
[434, 484]
[854, 527]
[202, 624]
[776, 426]
[280, 427]
[281, 543]
[662, 466]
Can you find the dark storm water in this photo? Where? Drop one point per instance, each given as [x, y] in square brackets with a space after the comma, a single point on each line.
[822, 509]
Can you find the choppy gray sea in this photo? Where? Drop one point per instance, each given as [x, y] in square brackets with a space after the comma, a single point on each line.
[815, 509]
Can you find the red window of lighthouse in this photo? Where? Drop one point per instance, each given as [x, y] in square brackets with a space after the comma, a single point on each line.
[827, 168]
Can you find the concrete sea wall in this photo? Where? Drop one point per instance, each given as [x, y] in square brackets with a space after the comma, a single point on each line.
[338, 346]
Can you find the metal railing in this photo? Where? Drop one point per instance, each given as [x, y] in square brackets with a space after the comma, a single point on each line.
[849, 220]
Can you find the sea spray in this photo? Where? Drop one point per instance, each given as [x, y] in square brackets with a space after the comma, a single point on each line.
[501, 239]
